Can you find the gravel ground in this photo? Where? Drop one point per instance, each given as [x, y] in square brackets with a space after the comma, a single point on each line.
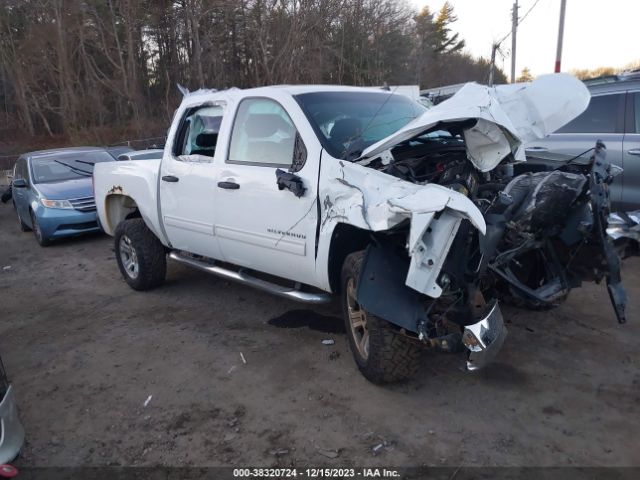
[85, 353]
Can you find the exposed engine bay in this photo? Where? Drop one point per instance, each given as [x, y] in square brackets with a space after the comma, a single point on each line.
[546, 234]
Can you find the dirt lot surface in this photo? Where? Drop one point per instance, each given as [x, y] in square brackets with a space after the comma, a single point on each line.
[85, 353]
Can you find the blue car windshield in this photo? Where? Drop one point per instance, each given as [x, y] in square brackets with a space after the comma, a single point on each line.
[59, 167]
[348, 122]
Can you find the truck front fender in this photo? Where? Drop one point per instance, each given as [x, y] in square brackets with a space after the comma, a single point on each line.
[376, 202]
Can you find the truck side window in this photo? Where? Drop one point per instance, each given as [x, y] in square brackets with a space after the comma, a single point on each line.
[603, 115]
[264, 135]
[198, 136]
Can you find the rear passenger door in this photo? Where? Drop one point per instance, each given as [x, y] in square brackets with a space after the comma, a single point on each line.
[187, 188]
[631, 154]
[258, 225]
[602, 120]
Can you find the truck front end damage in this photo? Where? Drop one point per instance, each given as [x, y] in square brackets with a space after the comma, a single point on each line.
[454, 230]
[411, 273]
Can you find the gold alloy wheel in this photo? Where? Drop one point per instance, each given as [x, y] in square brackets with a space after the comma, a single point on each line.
[357, 321]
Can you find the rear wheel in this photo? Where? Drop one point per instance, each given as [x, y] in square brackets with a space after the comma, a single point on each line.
[140, 255]
[382, 353]
[37, 232]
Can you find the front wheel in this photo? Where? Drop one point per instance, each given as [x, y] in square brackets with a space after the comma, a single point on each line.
[382, 353]
[140, 255]
[37, 232]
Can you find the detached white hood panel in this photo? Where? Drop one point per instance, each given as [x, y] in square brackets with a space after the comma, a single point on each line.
[507, 117]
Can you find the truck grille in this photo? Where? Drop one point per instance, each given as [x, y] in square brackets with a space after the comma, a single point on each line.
[85, 204]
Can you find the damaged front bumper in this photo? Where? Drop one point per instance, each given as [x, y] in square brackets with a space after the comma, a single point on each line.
[11, 430]
[484, 339]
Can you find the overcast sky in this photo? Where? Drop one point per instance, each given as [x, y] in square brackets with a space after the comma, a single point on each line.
[597, 32]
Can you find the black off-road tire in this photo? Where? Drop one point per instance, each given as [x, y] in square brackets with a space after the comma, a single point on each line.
[23, 226]
[149, 254]
[392, 357]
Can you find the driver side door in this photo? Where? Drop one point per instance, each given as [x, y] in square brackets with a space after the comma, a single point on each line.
[258, 225]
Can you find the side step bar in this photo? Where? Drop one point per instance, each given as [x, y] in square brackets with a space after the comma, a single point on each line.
[242, 276]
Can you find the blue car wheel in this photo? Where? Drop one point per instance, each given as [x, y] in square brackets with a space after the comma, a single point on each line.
[37, 231]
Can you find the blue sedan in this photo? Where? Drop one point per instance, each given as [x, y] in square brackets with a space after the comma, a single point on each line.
[52, 192]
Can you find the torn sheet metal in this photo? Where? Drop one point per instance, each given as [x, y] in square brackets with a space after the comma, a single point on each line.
[624, 225]
[375, 201]
[507, 117]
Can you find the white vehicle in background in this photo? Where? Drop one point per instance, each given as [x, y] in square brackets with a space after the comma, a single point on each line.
[308, 191]
[149, 154]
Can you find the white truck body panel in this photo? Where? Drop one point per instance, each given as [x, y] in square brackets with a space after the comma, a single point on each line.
[138, 180]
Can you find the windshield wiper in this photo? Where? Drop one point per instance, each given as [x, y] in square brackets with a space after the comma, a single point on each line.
[85, 162]
[76, 170]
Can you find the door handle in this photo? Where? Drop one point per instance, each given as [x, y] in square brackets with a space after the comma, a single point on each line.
[170, 178]
[634, 151]
[229, 185]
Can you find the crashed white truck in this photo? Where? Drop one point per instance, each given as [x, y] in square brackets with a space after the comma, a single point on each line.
[413, 216]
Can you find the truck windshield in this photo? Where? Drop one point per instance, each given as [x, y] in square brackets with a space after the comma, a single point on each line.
[348, 122]
[59, 167]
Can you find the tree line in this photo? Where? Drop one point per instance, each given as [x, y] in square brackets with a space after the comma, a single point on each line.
[72, 66]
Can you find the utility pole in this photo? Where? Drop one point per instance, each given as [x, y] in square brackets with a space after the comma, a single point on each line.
[494, 49]
[514, 28]
[563, 6]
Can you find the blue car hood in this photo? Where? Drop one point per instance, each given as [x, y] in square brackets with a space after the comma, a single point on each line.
[65, 190]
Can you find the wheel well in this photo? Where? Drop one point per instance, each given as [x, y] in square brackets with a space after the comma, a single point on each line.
[345, 240]
[118, 208]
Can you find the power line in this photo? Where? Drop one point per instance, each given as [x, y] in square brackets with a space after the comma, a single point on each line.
[528, 11]
[519, 22]
[495, 47]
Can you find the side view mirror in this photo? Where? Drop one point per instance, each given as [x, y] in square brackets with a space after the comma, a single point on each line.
[291, 182]
[19, 183]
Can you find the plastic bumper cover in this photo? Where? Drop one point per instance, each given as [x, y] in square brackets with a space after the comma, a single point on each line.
[57, 222]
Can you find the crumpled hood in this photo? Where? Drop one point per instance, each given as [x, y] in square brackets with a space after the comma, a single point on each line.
[508, 116]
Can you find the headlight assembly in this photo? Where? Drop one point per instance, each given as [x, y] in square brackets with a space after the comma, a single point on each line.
[56, 203]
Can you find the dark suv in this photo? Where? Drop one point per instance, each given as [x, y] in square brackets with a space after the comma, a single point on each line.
[613, 116]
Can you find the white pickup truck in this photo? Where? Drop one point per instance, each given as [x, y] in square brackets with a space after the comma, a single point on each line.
[308, 191]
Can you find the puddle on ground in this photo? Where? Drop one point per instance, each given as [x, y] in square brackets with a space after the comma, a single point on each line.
[310, 319]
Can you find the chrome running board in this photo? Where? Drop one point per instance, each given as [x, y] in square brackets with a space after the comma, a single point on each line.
[242, 276]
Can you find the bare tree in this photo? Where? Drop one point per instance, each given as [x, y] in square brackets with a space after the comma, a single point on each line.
[95, 68]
